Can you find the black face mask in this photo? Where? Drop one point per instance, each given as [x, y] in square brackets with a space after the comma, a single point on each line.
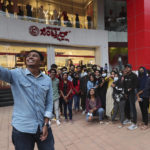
[141, 73]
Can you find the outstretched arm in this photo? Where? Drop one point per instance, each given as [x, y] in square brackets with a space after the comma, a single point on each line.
[5, 75]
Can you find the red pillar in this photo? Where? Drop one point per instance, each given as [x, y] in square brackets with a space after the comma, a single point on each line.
[138, 17]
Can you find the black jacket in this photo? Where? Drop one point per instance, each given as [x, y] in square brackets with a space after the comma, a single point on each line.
[83, 84]
[146, 91]
[130, 82]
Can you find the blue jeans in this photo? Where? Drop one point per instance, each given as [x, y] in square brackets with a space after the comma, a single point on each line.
[69, 106]
[99, 112]
[76, 101]
[26, 141]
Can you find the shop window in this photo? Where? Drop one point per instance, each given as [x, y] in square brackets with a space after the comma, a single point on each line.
[76, 56]
[116, 15]
[118, 57]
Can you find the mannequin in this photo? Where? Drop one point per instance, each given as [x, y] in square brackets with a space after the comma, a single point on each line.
[55, 17]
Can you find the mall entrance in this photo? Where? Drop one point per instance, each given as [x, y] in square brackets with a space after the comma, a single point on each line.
[76, 56]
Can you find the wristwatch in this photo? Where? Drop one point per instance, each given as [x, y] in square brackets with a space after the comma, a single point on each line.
[46, 124]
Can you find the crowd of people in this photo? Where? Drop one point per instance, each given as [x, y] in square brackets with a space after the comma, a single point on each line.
[98, 92]
[102, 93]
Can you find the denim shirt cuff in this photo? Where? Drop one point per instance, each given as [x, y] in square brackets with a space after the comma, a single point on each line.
[48, 114]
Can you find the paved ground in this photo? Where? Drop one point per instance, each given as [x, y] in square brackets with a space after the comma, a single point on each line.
[82, 135]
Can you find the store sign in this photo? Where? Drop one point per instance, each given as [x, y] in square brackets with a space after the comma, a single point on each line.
[54, 32]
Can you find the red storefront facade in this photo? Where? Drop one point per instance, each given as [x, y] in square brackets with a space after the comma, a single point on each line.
[138, 17]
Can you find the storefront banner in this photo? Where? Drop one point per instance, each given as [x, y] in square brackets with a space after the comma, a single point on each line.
[20, 31]
[54, 32]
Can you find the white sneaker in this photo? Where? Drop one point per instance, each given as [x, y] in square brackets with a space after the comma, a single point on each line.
[101, 122]
[132, 127]
[120, 126]
[126, 122]
[54, 119]
[83, 112]
[58, 122]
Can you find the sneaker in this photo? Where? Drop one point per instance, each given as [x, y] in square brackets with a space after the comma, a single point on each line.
[101, 122]
[71, 121]
[83, 112]
[66, 120]
[120, 126]
[58, 122]
[108, 122]
[126, 122]
[132, 127]
[54, 119]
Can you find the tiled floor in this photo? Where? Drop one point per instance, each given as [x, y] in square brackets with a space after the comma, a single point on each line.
[82, 135]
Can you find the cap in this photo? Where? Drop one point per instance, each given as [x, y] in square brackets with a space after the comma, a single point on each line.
[128, 65]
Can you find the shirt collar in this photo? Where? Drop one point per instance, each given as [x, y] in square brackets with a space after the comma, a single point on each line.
[27, 72]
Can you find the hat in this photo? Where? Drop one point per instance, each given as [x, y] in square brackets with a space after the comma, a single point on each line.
[128, 65]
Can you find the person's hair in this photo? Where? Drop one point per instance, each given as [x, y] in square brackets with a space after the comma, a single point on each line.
[117, 74]
[86, 70]
[75, 80]
[93, 77]
[64, 73]
[94, 66]
[89, 70]
[79, 67]
[83, 66]
[72, 65]
[97, 70]
[53, 66]
[64, 68]
[53, 70]
[39, 53]
[89, 96]
[113, 72]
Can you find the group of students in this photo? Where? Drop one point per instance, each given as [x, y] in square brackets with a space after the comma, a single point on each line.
[102, 94]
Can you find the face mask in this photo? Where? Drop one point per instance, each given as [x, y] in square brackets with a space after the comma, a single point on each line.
[96, 77]
[85, 73]
[115, 78]
[141, 73]
[104, 75]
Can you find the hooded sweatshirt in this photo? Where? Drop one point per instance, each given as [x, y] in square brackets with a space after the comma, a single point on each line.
[142, 79]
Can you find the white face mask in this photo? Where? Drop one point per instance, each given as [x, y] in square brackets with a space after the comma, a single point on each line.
[104, 75]
[115, 78]
[85, 73]
[120, 74]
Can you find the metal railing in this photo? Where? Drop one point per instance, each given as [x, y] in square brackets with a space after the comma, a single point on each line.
[74, 24]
